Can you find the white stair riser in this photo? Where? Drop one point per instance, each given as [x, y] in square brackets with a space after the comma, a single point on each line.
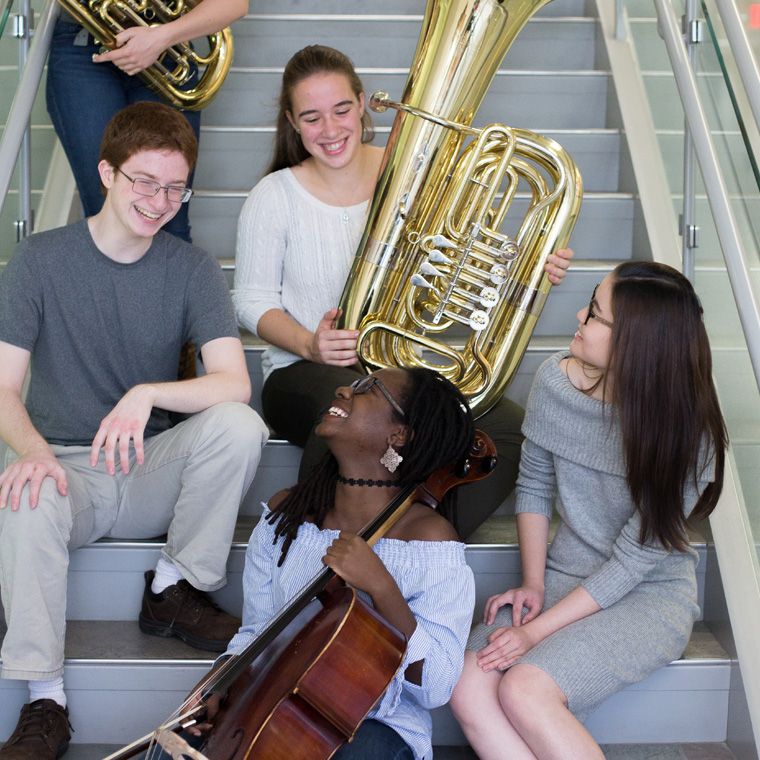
[118, 703]
[106, 582]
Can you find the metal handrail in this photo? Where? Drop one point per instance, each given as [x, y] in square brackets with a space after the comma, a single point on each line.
[717, 194]
[29, 83]
[742, 53]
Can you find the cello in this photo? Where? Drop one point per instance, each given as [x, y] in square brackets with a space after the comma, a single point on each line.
[319, 666]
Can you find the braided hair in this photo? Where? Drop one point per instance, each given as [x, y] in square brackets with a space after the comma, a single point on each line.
[441, 432]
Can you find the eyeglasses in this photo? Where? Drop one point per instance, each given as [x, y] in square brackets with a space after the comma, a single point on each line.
[365, 384]
[591, 314]
[149, 188]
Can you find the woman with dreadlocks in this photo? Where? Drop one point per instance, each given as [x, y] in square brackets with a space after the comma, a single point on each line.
[385, 431]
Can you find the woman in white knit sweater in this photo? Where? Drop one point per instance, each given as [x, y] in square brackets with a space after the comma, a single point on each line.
[297, 235]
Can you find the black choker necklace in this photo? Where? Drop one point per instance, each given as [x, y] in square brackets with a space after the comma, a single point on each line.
[367, 482]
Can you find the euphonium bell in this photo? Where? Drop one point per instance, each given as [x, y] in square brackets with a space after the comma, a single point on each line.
[436, 263]
[170, 74]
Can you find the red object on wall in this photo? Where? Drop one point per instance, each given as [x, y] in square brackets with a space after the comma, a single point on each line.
[754, 16]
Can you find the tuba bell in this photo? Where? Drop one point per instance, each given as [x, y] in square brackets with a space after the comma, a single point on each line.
[435, 266]
[171, 73]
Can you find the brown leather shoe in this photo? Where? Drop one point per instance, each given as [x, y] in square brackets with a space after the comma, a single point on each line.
[42, 732]
[187, 613]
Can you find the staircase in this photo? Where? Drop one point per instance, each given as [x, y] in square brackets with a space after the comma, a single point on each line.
[555, 80]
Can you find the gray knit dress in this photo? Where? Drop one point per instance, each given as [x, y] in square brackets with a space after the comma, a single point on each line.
[573, 451]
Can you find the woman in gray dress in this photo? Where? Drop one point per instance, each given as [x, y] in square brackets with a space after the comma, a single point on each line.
[626, 432]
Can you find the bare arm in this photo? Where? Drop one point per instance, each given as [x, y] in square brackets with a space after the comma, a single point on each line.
[139, 47]
[226, 379]
[354, 561]
[325, 345]
[36, 460]
[533, 535]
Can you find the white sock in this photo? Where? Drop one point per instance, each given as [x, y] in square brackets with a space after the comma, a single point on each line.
[166, 575]
[52, 689]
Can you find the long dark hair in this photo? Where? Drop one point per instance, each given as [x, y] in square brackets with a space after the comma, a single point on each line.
[661, 371]
[314, 59]
[441, 432]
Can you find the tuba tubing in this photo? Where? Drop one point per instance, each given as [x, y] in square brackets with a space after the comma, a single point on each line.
[436, 281]
[169, 75]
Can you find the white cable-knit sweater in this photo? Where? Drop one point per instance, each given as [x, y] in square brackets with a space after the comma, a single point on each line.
[293, 253]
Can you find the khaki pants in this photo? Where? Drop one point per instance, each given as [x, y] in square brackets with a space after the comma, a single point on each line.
[190, 487]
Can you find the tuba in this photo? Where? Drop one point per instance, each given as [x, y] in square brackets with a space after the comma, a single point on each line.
[170, 74]
[436, 265]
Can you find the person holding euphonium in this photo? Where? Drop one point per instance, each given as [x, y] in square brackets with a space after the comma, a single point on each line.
[297, 235]
[86, 88]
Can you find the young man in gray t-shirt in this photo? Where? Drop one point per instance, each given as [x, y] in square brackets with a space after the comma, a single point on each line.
[100, 309]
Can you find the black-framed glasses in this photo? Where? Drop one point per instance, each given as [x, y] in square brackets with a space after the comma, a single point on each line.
[591, 314]
[365, 384]
[149, 188]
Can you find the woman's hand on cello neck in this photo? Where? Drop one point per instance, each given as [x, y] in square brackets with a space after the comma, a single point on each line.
[351, 557]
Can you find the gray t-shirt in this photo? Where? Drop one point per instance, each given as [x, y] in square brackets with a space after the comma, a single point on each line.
[96, 327]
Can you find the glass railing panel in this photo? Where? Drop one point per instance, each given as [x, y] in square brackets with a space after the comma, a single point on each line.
[43, 138]
[742, 163]
[735, 380]
[733, 373]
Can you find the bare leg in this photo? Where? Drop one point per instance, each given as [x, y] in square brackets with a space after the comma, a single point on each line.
[476, 705]
[537, 708]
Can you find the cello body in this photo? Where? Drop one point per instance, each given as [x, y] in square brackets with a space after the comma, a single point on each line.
[315, 682]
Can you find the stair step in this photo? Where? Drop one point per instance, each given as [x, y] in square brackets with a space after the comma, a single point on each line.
[114, 669]
[556, 99]
[360, 8]
[702, 751]
[603, 232]
[389, 40]
[106, 577]
[597, 153]
[692, 751]
[540, 348]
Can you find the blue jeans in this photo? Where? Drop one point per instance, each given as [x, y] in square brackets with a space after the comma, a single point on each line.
[375, 741]
[82, 97]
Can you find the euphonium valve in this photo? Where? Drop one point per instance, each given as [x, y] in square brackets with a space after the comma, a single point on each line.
[442, 277]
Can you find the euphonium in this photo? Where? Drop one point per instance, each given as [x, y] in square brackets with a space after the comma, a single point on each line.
[434, 255]
[170, 74]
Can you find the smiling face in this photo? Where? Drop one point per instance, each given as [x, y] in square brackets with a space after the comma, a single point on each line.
[366, 422]
[138, 215]
[592, 341]
[328, 115]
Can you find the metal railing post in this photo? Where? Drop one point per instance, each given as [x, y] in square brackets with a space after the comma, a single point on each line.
[17, 121]
[693, 34]
[22, 30]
